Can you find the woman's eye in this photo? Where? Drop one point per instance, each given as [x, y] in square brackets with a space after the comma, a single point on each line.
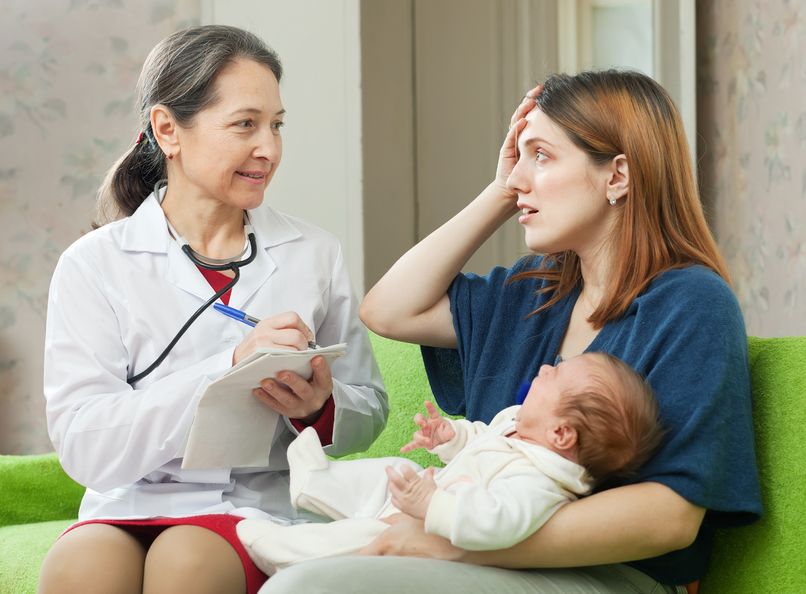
[245, 124]
[277, 125]
[540, 155]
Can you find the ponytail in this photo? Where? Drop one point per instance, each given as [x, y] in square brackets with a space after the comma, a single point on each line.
[130, 181]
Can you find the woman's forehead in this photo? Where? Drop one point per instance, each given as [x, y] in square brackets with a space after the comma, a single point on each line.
[540, 128]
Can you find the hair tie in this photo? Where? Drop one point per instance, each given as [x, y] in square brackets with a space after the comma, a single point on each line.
[140, 137]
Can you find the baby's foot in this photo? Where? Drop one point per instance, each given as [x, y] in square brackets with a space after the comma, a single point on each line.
[305, 455]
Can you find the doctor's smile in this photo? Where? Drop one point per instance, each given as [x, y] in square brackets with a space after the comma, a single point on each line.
[254, 177]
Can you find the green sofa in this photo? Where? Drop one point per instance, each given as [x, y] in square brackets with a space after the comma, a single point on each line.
[37, 500]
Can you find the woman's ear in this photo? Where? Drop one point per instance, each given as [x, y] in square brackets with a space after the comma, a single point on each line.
[618, 181]
[165, 130]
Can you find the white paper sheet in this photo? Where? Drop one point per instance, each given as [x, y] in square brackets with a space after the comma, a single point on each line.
[232, 428]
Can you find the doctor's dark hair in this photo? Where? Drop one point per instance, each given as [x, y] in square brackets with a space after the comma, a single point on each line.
[180, 74]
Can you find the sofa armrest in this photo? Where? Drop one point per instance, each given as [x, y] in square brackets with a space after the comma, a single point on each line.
[36, 489]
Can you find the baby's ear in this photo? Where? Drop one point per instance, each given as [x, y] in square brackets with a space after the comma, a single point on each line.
[564, 437]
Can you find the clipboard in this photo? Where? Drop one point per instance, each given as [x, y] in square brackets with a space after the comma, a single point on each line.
[233, 429]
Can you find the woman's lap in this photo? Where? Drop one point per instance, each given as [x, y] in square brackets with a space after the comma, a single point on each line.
[404, 575]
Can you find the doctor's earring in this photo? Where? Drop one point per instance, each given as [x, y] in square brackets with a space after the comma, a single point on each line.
[611, 200]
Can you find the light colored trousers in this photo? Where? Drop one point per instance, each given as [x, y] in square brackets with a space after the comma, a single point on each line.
[411, 575]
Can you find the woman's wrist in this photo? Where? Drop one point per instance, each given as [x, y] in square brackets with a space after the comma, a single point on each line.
[497, 204]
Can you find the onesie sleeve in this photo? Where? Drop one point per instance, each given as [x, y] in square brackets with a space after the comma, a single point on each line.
[496, 516]
[464, 432]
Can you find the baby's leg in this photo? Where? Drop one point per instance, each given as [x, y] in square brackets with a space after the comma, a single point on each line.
[273, 547]
[94, 558]
[337, 489]
[306, 456]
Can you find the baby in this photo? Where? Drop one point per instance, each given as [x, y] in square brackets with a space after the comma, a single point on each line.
[585, 421]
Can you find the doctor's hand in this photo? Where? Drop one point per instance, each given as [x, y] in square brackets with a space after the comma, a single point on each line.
[283, 331]
[295, 397]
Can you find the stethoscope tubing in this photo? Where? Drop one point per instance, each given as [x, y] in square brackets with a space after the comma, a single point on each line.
[236, 269]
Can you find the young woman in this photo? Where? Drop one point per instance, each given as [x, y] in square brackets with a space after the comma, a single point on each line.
[120, 400]
[597, 165]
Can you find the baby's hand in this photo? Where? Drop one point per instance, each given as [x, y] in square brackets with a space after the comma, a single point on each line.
[434, 430]
[410, 492]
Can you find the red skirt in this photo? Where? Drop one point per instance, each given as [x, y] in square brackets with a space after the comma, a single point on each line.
[221, 524]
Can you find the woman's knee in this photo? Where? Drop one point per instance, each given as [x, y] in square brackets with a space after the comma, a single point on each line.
[93, 558]
[192, 559]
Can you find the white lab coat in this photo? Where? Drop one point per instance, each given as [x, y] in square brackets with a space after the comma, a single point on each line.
[118, 296]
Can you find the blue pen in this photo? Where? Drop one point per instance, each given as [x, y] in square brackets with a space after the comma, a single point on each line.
[241, 316]
[236, 314]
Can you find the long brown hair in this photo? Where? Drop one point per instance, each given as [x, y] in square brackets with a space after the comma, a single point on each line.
[179, 73]
[662, 224]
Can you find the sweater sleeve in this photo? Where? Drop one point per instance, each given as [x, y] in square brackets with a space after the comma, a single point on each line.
[498, 515]
[477, 318]
[694, 356]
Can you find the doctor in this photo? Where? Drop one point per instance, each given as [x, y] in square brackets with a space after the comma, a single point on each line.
[120, 400]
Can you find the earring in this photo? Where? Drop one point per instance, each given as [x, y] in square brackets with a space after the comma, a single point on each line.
[170, 155]
[611, 200]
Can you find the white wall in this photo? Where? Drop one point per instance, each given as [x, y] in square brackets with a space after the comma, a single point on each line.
[320, 178]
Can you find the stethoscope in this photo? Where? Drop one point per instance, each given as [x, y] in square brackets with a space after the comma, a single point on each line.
[207, 264]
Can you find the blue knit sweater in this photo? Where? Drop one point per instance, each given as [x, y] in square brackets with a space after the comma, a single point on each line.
[685, 334]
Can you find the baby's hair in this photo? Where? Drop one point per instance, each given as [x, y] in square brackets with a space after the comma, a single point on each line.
[615, 414]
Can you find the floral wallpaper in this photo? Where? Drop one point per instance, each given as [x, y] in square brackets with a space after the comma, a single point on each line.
[752, 126]
[67, 74]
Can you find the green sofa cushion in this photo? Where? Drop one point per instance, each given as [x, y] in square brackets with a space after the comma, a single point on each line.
[36, 489]
[22, 549]
[770, 555]
[37, 499]
[406, 383]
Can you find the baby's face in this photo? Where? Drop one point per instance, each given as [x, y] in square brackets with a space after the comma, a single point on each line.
[538, 415]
